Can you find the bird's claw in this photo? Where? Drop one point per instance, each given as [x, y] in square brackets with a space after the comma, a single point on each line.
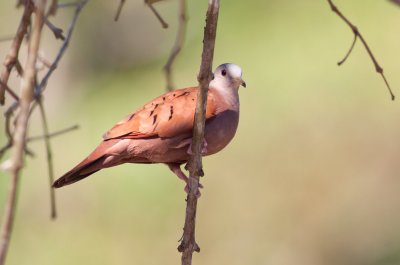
[203, 148]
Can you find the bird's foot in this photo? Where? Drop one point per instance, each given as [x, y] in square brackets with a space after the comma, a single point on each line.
[203, 148]
[176, 168]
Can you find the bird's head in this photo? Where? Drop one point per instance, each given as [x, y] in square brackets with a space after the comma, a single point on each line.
[228, 75]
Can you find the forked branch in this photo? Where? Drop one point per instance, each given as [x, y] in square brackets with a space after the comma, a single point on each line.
[357, 34]
[25, 102]
[188, 244]
[150, 3]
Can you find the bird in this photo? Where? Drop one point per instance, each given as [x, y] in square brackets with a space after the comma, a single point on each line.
[161, 131]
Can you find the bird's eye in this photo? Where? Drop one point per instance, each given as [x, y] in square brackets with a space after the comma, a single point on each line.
[223, 72]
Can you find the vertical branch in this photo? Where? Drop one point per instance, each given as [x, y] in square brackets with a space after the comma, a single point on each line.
[26, 97]
[180, 37]
[53, 209]
[188, 244]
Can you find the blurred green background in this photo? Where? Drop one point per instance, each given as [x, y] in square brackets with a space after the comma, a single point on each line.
[312, 176]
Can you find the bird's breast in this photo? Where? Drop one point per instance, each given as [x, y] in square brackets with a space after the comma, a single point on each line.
[220, 130]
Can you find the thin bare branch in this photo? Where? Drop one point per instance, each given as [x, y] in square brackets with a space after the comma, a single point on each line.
[58, 33]
[43, 60]
[349, 52]
[357, 34]
[19, 68]
[121, 4]
[64, 46]
[158, 16]
[19, 140]
[54, 134]
[9, 143]
[9, 90]
[49, 155]
[188, 244]
[180, 37]
[12, 55]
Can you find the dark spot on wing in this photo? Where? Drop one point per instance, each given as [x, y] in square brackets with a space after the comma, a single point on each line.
[183, 94]
[171, 112]
[152, 112]
[131, 117]
[154, 119]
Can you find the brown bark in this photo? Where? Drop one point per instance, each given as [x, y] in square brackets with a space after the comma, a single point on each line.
[188, 244]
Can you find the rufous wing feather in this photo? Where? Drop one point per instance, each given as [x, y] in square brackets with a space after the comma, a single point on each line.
[168, 115]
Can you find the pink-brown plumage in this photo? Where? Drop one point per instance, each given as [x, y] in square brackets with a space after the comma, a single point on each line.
[161, 131]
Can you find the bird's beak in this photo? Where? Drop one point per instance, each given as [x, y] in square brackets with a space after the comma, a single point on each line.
[243, 83]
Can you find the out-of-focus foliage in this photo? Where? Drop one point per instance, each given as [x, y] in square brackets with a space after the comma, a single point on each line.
[311, 178]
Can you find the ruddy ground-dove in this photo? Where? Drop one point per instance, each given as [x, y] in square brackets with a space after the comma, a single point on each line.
[161, 131]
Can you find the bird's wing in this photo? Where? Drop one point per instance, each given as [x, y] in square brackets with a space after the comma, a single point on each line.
[168, 115]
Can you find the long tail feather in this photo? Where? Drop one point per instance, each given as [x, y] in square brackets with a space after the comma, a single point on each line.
[93, 163]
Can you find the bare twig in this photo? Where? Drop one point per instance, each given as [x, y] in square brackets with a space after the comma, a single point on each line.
[53, 212]
[19, 68]
[357, 34]
[121, 4]
[44, 61]
[54, 134]
[349, 52]
[12, 55]
[9, 143]
[188, 244]
[27, 87]
[42, 85]
[9, 90]
[58, 33]
[180, 37]
[159, 17]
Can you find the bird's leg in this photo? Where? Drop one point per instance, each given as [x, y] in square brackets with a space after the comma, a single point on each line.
[176, 168]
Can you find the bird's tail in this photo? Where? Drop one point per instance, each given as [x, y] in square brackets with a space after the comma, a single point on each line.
[93, 163]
